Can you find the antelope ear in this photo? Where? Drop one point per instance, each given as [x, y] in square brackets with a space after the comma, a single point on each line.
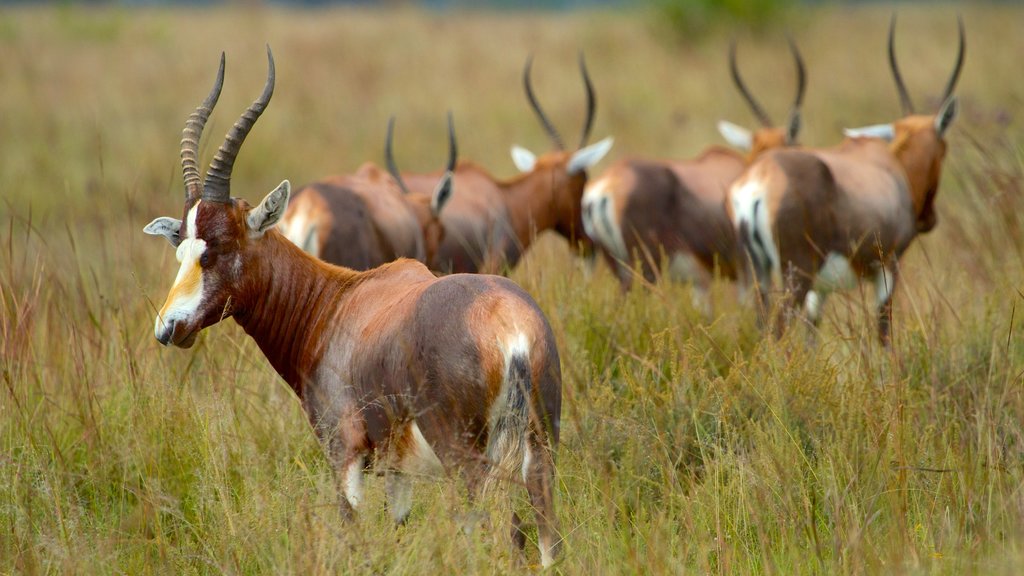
[736, 136]
[884, 131]
[167, 227]
[583, 159]
[946, 116]
[442, 194]
[793, 130]
[523, 159]
[270, 210]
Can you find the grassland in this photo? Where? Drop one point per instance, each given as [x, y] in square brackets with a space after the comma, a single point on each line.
[689, 446]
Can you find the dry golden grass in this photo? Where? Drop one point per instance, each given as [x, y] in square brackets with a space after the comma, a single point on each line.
[689, 446]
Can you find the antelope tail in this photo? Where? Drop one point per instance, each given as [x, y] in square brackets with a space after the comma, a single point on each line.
[506, 448]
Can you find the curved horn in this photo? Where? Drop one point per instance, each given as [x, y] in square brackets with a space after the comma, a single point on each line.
[548, 127]
[591, 103]
[754, 106]
[801, 74]
[218, 177]
[951, 85]
[191, 135]
[389, 157]
[906, 105]
[453, 149]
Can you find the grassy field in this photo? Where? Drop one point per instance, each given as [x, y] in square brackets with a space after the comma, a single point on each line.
[689, 446]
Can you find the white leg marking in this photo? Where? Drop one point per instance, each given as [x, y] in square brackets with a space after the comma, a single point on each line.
[883, 286]
[354, 481]
[835, 274]
[812, 306]
[684, 267]
[421, 459]
[546, 557]
[398, 488]
[527, 457]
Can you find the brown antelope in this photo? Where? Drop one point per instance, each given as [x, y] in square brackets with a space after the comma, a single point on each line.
[364, 220]
[393, 366]
[489, 223]
[822, 218]
[676, 210]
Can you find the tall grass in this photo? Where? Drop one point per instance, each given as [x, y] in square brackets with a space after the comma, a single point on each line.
[689, 446]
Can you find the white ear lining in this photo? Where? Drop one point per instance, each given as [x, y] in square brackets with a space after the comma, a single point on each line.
[884, 131]
[442, 194]
[167, 227]
[523, 159]
[587, 157]
[736, 136]
[270, 210]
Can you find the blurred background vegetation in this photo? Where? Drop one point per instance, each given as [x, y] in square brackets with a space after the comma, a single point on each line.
[690, 445]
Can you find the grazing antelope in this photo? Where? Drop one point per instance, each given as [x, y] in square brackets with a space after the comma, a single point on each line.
[822, 218]
[364, 220]
[676, 210]
[392, 365]
[490, 223]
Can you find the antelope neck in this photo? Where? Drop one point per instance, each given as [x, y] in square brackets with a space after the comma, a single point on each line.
[293, 298]
[530, 198]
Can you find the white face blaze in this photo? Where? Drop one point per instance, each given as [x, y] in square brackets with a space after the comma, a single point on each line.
[186, 294]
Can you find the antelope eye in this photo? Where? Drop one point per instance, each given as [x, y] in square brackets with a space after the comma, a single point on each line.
[204, 260]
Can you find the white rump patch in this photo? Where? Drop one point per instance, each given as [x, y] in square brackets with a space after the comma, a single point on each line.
[300, 228]
[749, 206]
[600, 221]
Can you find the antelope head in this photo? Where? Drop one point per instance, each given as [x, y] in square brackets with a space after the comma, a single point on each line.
[566, 171]
[218, 241]
[918, 140]
[769, 135]
[427, 208]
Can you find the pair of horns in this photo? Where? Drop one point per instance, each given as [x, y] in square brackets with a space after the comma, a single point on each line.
[389, 157]
[548, 126]
[801, 84]
[218, 177]
[905, 103]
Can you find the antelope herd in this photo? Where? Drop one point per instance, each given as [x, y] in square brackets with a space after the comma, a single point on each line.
[407, 371]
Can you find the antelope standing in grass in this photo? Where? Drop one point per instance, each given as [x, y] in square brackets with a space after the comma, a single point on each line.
[364, 220]
[822, 218]
[655, 210]
[490, 223]
[392, 365]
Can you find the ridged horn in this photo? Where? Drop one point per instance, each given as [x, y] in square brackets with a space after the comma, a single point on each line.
[191, 135]
[548, 126]
[759, 112]
[906, 104]
[218, 177]
[591, 102]
[389, 157]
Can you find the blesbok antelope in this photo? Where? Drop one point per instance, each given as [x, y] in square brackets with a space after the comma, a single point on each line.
[490, 223]
[822, 218]
[655, 210]
[363, 220]
[392, 365]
